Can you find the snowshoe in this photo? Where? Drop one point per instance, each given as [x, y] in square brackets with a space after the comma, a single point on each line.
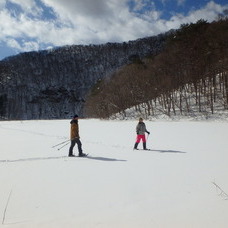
[82, 155]
[71, 155]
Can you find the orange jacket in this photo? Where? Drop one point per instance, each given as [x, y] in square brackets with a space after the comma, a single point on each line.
[74, 130]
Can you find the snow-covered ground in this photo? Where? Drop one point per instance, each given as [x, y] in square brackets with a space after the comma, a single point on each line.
[171, 186]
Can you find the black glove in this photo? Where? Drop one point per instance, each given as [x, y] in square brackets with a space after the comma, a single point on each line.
[148, 132]
[137, 132]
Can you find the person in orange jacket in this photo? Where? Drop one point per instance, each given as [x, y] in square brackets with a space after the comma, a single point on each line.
[74, 137]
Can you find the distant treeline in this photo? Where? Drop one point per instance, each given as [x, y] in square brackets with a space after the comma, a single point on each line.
[193, 67]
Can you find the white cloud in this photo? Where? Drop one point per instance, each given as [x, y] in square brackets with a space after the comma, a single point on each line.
[209, 13]
[142, 4]
[93, 21]
[91, 10]
[8, 25]
[28, 6]
[88, 21]
[2, 4]
[13, 44]
[24, 46]
[30, 45]
[180, 2]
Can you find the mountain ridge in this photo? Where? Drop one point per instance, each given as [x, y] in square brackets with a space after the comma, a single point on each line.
[52, 84]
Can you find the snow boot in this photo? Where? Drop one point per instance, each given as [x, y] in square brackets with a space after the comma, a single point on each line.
[144, 146]
[135, 146]
[82, 155]
[71, 155]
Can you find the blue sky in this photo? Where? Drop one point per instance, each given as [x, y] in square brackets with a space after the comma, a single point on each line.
[32, 25]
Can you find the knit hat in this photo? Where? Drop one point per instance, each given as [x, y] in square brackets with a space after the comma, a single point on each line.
[75, 116]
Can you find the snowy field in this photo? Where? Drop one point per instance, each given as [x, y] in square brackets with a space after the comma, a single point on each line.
[171, 186]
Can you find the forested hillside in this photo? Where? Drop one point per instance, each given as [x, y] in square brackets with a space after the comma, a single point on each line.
[190, 74]
[55, 83]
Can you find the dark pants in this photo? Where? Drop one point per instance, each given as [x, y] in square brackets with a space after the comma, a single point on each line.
[73, 142]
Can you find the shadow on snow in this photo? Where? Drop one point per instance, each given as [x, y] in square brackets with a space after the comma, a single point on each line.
[88, 157]
[59, 157]
[169, 151]
[105, 159]
[32, 159]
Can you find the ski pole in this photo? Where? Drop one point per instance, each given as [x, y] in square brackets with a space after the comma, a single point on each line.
[60, 143]
[63, 146]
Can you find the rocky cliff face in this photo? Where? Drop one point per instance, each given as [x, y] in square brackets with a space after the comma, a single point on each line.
[54, 84]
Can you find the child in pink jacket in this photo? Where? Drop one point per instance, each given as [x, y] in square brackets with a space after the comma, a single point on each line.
[141, 130]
